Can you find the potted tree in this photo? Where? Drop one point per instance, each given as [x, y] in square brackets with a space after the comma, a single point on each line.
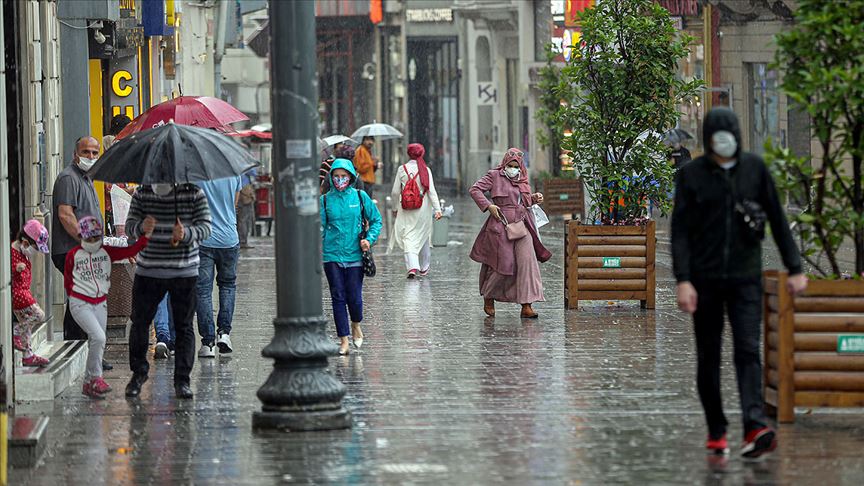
[625, 94]
[812, 339]
[561, 187]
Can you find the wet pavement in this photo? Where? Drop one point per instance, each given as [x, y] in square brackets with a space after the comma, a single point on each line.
[441, 395]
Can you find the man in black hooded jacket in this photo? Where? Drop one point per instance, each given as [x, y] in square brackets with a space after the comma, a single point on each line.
[717, 260]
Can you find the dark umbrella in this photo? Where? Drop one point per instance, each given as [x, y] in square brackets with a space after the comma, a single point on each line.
[172, 154]
[679, 134]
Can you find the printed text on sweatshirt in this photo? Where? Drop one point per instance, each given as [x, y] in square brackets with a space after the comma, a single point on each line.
[88, 275]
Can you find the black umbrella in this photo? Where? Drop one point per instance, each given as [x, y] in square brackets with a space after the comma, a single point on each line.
[173, 154]
[677, 134]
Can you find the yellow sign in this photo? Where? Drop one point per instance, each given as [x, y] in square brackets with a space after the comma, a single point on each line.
[128, 110]
[121, 76]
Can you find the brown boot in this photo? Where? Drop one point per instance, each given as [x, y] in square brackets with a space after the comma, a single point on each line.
[528, 312]
[489, 307]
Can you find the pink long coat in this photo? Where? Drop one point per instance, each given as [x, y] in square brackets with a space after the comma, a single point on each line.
[492, 246]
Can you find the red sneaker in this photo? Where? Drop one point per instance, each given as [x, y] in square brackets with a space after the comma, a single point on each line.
[35, 361]
[19, 343]
[412, 274]
[759, 442]
[717, 446]
[100, 386]
[89, 390]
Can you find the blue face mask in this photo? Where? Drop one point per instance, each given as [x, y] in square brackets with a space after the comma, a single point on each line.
[341, 182]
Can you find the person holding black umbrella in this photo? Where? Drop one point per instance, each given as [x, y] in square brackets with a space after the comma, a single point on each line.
[169, 265]
[167, 161]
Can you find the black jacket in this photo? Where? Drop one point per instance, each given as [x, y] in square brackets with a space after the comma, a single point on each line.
[709, 240]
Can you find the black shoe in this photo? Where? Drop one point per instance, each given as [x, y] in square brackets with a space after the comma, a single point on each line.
[183, 391]
[133, 389]
[106, 366]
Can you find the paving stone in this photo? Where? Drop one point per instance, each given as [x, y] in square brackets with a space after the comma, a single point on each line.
[441, 395]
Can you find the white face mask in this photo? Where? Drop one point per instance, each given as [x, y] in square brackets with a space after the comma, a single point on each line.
[162, 189]
[28, 251]
[723, 143]
[91, 246]
[512, 172]
[86, 164]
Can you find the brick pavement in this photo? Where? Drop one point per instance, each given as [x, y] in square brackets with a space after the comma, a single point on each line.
[441, 395]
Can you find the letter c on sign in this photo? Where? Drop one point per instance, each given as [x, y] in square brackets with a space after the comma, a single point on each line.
[119, 77]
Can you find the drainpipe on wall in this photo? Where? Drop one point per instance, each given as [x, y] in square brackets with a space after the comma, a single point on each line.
[219, 48]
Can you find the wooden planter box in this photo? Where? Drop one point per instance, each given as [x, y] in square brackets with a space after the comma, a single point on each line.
[803, 364]
[609, 263]
[563, 196]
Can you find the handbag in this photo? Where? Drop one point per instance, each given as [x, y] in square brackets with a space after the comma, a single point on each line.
[515, 231]
[369, 268]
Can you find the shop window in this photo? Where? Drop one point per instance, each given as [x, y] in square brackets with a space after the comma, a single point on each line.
[764, 107]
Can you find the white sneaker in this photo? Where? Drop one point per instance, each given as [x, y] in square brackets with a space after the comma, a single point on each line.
[224, 343]
[161, 351]
[207, 351]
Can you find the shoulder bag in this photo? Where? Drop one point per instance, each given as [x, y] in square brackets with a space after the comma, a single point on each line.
[515, 231]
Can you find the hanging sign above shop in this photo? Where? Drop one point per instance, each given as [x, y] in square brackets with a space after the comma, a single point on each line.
[429, 15]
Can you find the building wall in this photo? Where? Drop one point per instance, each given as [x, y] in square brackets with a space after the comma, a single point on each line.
[195, 72]
[741, 46]
[5, 264]
[41, 126]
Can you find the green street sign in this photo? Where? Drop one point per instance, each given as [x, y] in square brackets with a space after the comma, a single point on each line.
[611, 262]
[850, 343]
[563, 197]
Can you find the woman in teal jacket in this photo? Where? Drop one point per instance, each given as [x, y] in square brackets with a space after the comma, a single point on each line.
[341, 225]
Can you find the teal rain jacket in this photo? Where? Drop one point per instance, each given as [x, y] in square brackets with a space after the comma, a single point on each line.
[341, 223]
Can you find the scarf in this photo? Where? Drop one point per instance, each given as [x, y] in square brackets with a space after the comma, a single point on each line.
[416, 152]
[522, 181]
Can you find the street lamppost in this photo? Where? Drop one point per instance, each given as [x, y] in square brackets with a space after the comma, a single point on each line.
[300, 394]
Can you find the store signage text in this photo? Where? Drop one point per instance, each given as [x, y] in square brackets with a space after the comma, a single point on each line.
[487, 94]
[119, 83]
[429, 15]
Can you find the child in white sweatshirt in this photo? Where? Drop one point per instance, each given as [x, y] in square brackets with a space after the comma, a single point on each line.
[87, 281]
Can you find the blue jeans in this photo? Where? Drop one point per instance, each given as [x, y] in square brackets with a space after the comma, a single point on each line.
[164, 323]
[346, 289]
[221, 263]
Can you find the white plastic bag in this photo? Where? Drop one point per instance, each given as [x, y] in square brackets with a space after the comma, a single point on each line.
[540, 218]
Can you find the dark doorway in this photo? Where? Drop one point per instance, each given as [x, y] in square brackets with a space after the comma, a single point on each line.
[12, 57]
[433, 104]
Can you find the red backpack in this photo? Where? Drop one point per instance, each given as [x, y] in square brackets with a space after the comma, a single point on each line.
[411, 196]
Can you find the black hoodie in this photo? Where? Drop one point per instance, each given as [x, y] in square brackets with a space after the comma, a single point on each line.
[708, 238]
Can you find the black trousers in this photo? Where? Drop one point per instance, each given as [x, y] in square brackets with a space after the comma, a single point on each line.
[147, 293]
[742, 300]
[71, 330]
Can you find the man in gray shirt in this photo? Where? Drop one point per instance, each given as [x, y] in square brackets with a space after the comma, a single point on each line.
[74, 197]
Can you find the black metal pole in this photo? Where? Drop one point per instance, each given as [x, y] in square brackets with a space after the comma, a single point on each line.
[300, 394]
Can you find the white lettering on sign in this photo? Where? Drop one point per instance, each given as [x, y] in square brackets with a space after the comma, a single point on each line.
[487, 94]
[298, 149]
[429, 15]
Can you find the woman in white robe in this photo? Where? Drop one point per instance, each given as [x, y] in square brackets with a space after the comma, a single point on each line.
[412, 230]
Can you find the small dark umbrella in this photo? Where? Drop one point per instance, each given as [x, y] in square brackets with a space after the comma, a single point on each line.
[678, 133]
[173, 154]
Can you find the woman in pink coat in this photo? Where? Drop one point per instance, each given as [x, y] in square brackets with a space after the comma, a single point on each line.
[510, 271]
